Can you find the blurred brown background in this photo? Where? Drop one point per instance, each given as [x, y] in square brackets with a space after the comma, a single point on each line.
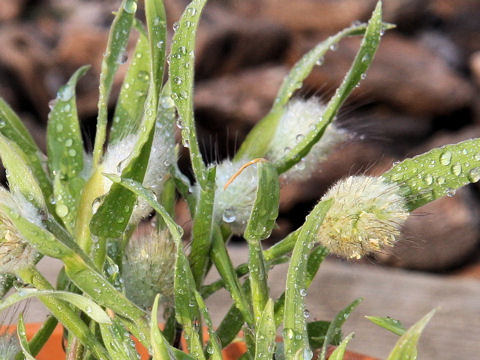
[421, 91]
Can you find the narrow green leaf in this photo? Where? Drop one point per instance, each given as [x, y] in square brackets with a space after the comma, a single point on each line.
[64, 139]
[357, 71]
[437, 173]
[266, 333]
[181, 77]
[339, 352]
[44, 241]
[202, 229]
[114, 56]
[336, 326]
[22, 337]
[19, 175]
[406, 346]
[42, 335]
[89, 307]
[388, 323]
[118, 342]
[257, 141]
[295, 324]
[213, 347]
[258, 275]
[131, 101]
[159, 343]
[317, 330]
[157, 36]
[15, 131]
[67, 193]
[265, 209]
[230, 325]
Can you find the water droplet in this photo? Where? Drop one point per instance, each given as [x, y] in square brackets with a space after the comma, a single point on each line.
[445, 158]
[59, 127]
[68, 142]
[428, 179]
[160, 44]
[306, 314]
[299, 137]
[175, 26]
[334, 47]
[477, 156]
[303, 292]
[51, 103]
[320, 61]
[177, 80]
[67, 108]
[363, 76]
[62, 210]
[122, 58]
[440, 180]
[130, 6]
[474, 174]
[229, 215]
[72, 152]
[457, 169]
[120, 219]
[450, 192]
[65, 93]
[365, 58]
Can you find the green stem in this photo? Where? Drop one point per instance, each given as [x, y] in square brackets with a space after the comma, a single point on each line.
[63, 312]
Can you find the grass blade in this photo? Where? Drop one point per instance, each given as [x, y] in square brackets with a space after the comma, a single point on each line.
[266, 333]
[22, 337]
[114, 56]
[118, 342]
[437, 173]
[339, 352]
[159, 343]
[359, 67]
[181, 78]
[295, 324]
[213, 347]
[388, 323]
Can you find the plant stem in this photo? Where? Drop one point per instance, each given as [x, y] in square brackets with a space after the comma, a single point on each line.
[63, 312]
[258, 278]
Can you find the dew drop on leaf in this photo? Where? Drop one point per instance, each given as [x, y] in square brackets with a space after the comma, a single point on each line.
[445, 158]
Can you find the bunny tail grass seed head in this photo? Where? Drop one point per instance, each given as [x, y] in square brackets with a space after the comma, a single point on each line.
[234, 203]
[15, 252]
[366, 216]
[9, 346]
[299, 118]
[148, 267]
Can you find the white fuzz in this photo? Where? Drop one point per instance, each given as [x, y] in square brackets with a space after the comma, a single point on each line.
[234, 205]
[15, 252]
[148, 268]
[162, 156]
[9, 346]
[299, 118]
[366, 215]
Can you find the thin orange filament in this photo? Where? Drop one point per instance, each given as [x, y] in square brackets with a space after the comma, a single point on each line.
[243, 167]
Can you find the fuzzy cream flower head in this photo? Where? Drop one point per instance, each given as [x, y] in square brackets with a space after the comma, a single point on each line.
[366, 216]
[148, 267]
[299, 118]
[234, 204]
[15, 252]
[9, 346]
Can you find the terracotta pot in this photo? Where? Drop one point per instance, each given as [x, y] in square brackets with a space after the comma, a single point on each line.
[53, 349]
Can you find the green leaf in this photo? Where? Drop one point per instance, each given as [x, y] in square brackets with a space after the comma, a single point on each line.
[358, 69]
[181, 78]
[202, 229]
[230, 325]
[22, 337]
[265, 209]
[131, 101]
[64, 139]
[118, 342]
[159, 343]
[257, 141]
[437, 173]
[266, 333]
[41, 239]
[406, 346]
[213, 347]
[42, 335]
[295, 324]
[89, 307]
[339, 352]
[157, 36]
[19, 175]
[13, 129]
[336, 325]
[388, 323]
[317, 330]
[114, 55]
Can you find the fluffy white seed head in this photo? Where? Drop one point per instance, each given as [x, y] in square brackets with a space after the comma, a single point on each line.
[162, 156]
[234, 204]
[15, 252]
[366, 216]
[299, 118]
[148, 267]
[9, 346]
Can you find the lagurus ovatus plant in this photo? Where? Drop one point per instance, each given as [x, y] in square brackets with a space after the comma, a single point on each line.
[84, 208]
